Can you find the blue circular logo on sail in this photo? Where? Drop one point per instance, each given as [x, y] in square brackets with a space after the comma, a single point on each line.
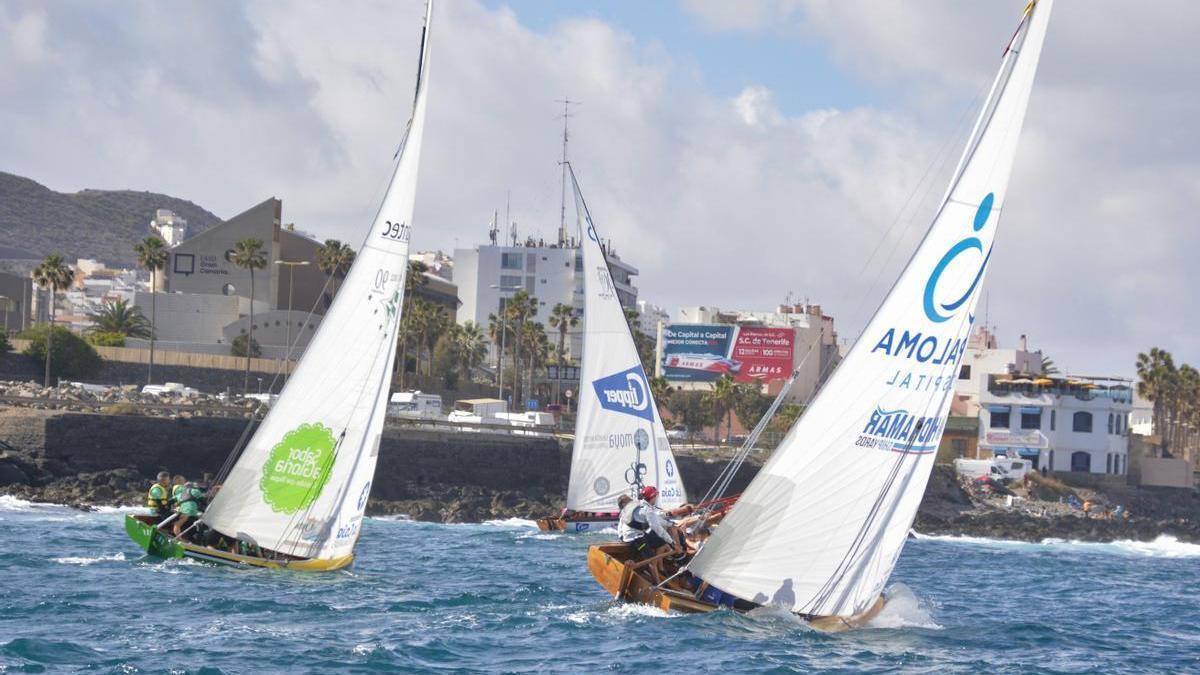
[942, 311]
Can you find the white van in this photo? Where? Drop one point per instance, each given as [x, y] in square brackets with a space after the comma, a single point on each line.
[415, 405]
[479, 411]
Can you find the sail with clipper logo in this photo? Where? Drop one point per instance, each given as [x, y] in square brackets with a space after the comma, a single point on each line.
[295, 495]
[620, 442]
[819, 529]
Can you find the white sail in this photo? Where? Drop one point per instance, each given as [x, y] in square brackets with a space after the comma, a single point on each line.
[618, 431]
[302, 481]
[819, 529]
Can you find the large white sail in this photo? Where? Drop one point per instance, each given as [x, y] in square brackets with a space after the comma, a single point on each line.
[302, 481]
[819, 529]
[618, 431]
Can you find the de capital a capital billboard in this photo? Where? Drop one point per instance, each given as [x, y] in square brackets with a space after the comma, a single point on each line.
[705, 352]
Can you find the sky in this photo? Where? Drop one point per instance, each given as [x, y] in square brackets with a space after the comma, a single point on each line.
[738, 154]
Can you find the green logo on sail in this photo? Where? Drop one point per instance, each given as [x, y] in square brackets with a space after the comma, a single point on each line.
[297, 468]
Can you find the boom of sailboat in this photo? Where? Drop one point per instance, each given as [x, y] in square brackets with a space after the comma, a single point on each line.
[819, 529]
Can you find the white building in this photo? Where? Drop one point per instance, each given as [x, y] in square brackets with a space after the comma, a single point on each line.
[649, 316]
[487, 276]
[1062, 423]
[169, 227]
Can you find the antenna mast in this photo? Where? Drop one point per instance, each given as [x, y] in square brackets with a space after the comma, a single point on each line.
[562, 222]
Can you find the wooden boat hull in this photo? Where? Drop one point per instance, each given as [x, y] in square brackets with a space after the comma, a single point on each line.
[575, 525]
[608, 564]
[156, 543]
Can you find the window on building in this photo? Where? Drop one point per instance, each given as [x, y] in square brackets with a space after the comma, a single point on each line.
[1052, 419]
[1081, 461]
[510, 261]
[1082, 422]
[578, 263]
[1108, 467]
[1031, 420]
[531, 262]
[1110, 423]
[508, 283]
[1000, 419]
[529, 285]
[959, 445]
[964, 373]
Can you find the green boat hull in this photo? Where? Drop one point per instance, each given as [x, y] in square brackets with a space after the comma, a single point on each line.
[151, 540]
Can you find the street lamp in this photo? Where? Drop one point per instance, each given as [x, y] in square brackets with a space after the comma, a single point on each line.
[287, 353]
[503, 333]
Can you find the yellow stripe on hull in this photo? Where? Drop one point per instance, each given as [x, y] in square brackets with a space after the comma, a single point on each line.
[311, 565]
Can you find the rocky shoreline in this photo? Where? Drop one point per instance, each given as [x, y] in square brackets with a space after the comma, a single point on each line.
[86, 461]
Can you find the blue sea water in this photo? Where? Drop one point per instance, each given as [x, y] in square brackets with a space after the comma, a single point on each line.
[76, 595]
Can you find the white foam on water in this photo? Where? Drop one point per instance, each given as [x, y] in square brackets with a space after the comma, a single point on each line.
[89, 561]
[10, 503]
[400, 517]
[135, 510]
[618, 613]
[903, 610]
[1164, 546]
[512, 522]
[541, 536]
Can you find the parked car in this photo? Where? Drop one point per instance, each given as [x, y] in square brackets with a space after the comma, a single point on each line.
[171, 388]
[677, 433]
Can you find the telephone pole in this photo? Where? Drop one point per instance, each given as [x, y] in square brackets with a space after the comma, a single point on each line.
[562, 224]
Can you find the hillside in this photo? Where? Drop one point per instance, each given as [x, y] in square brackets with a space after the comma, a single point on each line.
[36, 221]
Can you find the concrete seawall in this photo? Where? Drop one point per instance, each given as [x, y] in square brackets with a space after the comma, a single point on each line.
[434, 475]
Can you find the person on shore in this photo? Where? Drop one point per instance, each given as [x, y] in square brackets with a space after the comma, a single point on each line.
[158, 498]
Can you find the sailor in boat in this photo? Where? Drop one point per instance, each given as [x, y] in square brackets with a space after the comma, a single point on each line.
[190, 506]
[177, 488]
[648, 529]
[158, 499]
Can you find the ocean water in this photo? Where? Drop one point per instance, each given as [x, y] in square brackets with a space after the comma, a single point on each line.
[76, 595]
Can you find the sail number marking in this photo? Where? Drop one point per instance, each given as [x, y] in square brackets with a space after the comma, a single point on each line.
[395, 231]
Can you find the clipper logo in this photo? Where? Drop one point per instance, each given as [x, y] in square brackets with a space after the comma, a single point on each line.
[900, 431]
[625, 392]
[941, 311]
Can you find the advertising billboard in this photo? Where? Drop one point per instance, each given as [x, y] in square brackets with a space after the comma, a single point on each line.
[705, 352]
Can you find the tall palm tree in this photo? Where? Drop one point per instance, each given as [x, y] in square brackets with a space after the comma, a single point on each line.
[414, 278]
[118, 316]
[563, 318]
[1155, 370]
[722, 397]
[519, 308]
[151, 255]
[537, 350]
[334, 259]
[248, 255]
[1048, 366]
[660, 389]
[472, 347]
[55, 275]
[436, 322]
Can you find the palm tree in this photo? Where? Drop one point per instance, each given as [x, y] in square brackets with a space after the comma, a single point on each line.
[118, 316]
[537, 350]
[660, 389]
[1048, 367]
[334, 259]
[414, 278]
[518, 309]
[722, 397]
[1155, 371]
[248, 254]
[563, 318]
[55, 275]
[472, 347]
[151, 255]
[436, 322]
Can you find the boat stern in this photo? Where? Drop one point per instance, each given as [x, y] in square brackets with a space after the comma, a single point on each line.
[144, 533]
[551, 524]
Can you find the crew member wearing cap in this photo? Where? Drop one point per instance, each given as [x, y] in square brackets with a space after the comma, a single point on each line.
[646, 528]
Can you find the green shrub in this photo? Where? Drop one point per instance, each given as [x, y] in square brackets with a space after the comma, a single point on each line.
[107, 339]
[72, 356]
[5, 345]
[238, 348]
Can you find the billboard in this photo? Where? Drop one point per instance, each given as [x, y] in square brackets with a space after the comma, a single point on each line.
[705, 352]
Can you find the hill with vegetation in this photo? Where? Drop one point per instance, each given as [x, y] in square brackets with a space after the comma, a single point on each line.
[36, 221]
